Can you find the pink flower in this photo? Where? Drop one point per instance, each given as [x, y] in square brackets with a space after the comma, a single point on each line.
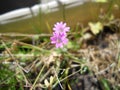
[59, 39]
[61, 27]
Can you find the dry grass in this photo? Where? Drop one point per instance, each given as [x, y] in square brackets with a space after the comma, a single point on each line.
[37, 62]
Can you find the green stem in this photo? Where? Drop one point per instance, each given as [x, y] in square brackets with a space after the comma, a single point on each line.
[63, 12]
[37, 78]
[109, 11]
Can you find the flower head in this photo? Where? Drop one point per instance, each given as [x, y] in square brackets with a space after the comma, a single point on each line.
[61, 27]
[59, 39]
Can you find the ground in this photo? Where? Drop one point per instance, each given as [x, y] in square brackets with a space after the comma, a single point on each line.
[84, 64]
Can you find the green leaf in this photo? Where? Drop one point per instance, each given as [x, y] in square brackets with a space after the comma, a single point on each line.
[95, 27]
[35, 37]
[84, 69]
[104, 83]
[72, 45]
[111, 17]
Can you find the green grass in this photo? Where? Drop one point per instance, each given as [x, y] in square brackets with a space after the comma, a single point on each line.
[28, 66]
[42, 66]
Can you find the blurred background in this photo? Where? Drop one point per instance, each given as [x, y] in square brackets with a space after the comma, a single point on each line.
[39, 16]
